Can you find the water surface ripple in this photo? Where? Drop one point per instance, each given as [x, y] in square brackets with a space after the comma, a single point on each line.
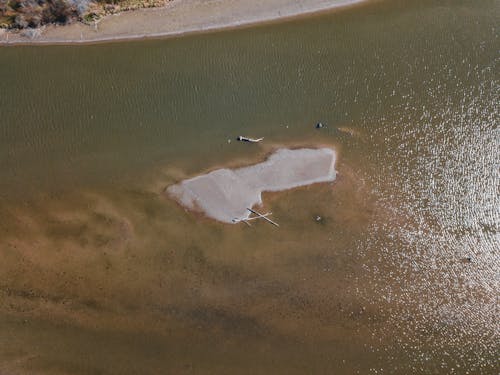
[400, 273]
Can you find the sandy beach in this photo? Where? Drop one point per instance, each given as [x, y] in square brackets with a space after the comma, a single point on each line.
[392, 268]
[225, 194]
[179, 17]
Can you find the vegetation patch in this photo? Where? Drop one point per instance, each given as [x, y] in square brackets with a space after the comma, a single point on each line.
[31, 14]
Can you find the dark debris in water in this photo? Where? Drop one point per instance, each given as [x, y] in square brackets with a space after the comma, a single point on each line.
[318, 219]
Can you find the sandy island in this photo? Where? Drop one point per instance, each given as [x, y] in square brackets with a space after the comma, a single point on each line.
[177, 18]
[225, 194]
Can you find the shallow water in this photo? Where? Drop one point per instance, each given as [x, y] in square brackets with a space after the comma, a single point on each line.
[101, 273]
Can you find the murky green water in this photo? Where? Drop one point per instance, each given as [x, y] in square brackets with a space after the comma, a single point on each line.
[101, 273]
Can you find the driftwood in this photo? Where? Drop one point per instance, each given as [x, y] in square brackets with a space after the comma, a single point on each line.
[246, 221]
[246, 139]
[261, 216]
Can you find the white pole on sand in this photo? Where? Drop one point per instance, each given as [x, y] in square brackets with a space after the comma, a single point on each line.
[263, 217]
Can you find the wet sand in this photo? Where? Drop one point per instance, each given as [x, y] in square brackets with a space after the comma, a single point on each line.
[179, 17]
[225, 194]
[102, 274]
[123, 268]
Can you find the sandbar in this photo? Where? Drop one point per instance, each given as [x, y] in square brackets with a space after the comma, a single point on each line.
[225, 194]
[178, 17]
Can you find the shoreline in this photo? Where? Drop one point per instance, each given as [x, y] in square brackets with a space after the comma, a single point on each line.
[226, 195]
[178, 18]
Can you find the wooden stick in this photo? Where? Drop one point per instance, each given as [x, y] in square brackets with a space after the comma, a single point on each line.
[263, 217]
[236, 220]
[246, 139]
[242, 220]
[246, 222]
[258, 217]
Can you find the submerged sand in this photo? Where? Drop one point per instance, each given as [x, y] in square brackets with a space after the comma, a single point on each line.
[225, 194]
[176, 18]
